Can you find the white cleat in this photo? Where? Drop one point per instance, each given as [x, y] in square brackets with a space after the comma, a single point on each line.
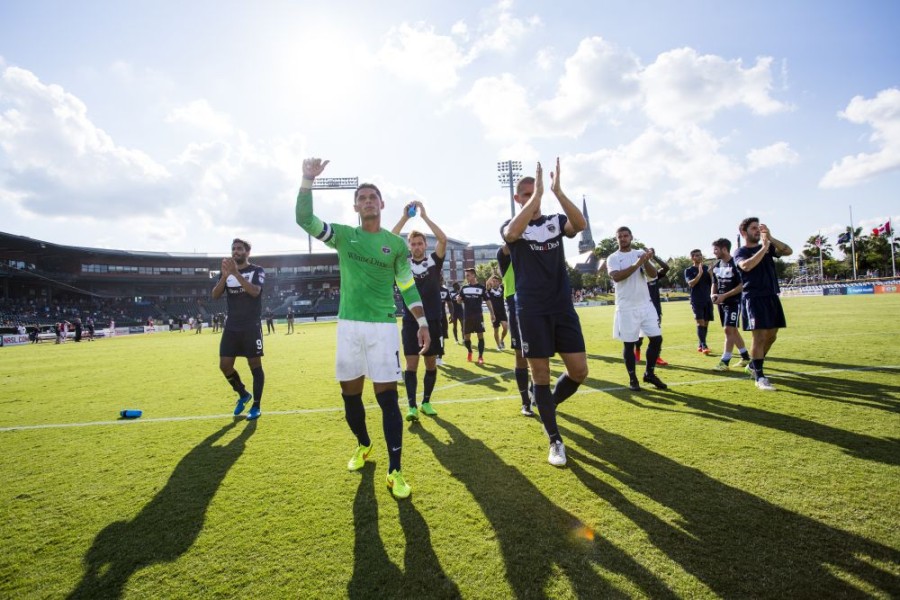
[763, 384]
[557, 456]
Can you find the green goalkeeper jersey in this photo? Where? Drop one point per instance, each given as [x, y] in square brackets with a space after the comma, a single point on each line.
[370, 264]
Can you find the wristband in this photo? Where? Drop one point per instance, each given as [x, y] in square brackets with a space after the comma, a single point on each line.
[305, 181]
[423, 322]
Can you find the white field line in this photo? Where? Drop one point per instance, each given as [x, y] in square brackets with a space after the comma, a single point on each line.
[331, 409]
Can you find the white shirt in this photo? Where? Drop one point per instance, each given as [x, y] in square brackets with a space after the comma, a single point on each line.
[632, 291]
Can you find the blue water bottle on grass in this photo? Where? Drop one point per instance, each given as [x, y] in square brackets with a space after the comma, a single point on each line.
[131, 413]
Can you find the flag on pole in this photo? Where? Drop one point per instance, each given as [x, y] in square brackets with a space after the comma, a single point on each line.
[818, 241]
[844, 238]
[883, 229]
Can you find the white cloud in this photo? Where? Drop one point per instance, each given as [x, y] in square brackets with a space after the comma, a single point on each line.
[61, 163]
[501, 104]
[416, 53]
[201, 115]
[684, 87]
[779, 153]
[545, 58]
[882, 114]
[500, 31]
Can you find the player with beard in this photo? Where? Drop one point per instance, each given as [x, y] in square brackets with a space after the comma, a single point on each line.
[426, 271]
[726, 294]
[242, 283]
[371, 260]
[630, 269]
[761, 308]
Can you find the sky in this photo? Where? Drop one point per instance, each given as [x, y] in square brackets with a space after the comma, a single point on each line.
[177, 126]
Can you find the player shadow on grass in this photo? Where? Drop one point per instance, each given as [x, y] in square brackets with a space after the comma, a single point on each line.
[737, 544]
[168, 525]
[483, 378]
[534, 534]
[834, 388]
[374, 575]
[858, 445]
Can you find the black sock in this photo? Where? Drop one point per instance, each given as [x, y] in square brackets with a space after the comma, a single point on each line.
[639, 343]
[259, 381]
[522, 382]
[428, 385]
[654, 349]
[744, 354]
[355, 413]
[392, 422]
[412, 384]
[480, 347]
[565, 387]
[757, 365]
[236, 384]
[628, 355]
[701, 335]
[468, 345]
[547, 410]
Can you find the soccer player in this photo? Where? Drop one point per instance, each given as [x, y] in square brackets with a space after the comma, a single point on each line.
[699, 280]
[371, 259]
[426, 271]
[726, 294]
[456, 311]
[242, 283]
[761, 310]
[630, 269]
[446, 301]
[504, 262]
[270, 321]
[548, 323]
[290, 320]
[471, 295]
[653, 287]
[500, 321]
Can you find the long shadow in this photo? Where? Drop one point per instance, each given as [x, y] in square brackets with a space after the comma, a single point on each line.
[834, 389]
[374, 575]
[533, 533]
[460, 374]
[738, 544]
[168, 525]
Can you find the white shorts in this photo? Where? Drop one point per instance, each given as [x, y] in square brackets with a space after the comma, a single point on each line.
[367, 349]
[631, 323]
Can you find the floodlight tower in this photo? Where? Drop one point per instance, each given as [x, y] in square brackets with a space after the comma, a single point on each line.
[332, 183]
[508, 172]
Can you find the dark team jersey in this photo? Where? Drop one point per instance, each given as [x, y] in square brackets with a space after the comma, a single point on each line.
[727, 278]
[244, 311]
[653, 287]
[762, 280]
[472, 294]
[539, 262]
[427, 275]
[446, 296]
[700, 292]
[496, 297]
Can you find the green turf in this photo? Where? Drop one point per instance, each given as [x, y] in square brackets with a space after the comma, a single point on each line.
[710, 489]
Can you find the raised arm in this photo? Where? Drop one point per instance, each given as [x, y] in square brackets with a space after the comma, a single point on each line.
[311, 224]
[575, 220]
[440, 248]
[529, 211]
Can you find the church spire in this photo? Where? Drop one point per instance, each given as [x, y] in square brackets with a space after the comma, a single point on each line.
[587, 239]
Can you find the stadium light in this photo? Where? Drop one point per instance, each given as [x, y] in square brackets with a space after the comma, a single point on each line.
[332, 183]
[508, 172]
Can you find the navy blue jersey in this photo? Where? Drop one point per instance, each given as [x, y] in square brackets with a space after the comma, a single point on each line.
[472, 294]
[539, 262]
[653, 288]
[761, 280]
[446, 296]
[700, 292]
[244, 311]
[427, 275]
[727, 278]
[497, 297]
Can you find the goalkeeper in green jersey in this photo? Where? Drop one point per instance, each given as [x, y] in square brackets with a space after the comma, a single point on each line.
[372, 260]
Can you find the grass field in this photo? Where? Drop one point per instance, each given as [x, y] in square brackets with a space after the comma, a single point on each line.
[709, 489]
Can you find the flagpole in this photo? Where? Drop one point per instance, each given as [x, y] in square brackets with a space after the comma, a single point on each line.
[852, 242]
[891, 242]
[821, 270]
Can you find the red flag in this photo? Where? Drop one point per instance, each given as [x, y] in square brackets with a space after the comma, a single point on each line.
[883, 229]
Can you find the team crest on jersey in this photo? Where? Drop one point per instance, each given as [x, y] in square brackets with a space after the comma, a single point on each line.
[551, 227]
[385, 250]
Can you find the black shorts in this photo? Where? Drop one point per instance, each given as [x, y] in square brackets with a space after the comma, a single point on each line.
[729, 314]
[545, 335]
[513, 323]
[703, 311]
[247, 343]
[473, 324]
[444, 326]
[762, 313]
[409, 333]
[499, 315]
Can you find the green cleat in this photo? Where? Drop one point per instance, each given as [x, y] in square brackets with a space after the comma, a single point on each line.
[413, 414]
[721, 366]
[398, 486]
[745, 362]
[426, 408]
[358, 460]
